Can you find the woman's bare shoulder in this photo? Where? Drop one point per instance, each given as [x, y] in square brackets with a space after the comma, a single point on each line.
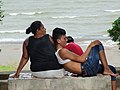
[26, 41]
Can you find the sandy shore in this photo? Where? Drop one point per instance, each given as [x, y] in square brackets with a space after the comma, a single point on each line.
[10, 54]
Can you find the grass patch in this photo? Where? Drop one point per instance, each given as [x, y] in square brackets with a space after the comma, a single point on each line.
[7, 68]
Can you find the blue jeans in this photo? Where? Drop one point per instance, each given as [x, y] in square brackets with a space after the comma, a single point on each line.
[92, 65]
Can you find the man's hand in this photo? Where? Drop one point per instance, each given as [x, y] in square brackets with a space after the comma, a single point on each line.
[94, 43]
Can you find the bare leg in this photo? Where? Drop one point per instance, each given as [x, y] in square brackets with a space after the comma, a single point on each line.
[113, 85]
[107, 70]
[103, 59]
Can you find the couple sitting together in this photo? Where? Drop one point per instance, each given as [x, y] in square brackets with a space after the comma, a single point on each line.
[50, 54]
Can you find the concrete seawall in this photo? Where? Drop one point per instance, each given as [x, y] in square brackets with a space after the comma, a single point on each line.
[98, 82]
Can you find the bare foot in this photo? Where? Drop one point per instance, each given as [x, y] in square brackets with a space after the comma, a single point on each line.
[110, 73]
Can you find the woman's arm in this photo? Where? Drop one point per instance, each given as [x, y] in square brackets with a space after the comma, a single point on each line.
[66, 54]
[24, 59]
[51, 40]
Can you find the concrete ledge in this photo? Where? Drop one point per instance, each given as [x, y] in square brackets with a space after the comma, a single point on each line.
[3, 84]
[98, 82]
[118, 82]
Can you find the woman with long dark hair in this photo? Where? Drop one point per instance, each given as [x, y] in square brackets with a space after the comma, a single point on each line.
[40, 49]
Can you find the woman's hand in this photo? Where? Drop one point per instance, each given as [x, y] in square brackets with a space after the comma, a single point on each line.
[14, 76]
[94, 43]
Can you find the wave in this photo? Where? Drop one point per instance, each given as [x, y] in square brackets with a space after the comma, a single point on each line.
[82, 42]
[12, 31]
[82, 39]
[93, 36]
[74, 16]
[117, 10]
[11, 40]
[13, 14]
[94, 15]
[109, 43]
[37, 13]
[24, 13]
[65, 17]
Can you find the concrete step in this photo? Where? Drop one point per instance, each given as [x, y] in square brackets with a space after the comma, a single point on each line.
[118, 82]
[98, 82]
[3, 84]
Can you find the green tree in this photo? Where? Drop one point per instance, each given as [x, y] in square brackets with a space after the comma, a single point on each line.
[1, 11]
[114, 33]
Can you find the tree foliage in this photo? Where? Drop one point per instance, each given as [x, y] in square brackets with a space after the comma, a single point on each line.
[114, 33]
[1, 11]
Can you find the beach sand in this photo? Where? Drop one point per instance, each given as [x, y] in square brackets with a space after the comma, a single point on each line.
[10, 55]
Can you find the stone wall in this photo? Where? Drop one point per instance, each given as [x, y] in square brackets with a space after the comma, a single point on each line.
[98, 82]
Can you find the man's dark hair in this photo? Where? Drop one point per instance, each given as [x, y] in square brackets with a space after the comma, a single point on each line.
[57, 33]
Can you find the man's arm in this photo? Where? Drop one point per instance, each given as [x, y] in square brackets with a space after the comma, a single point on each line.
[66, 54]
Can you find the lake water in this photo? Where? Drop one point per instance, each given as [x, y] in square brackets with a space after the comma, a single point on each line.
[83, 19]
